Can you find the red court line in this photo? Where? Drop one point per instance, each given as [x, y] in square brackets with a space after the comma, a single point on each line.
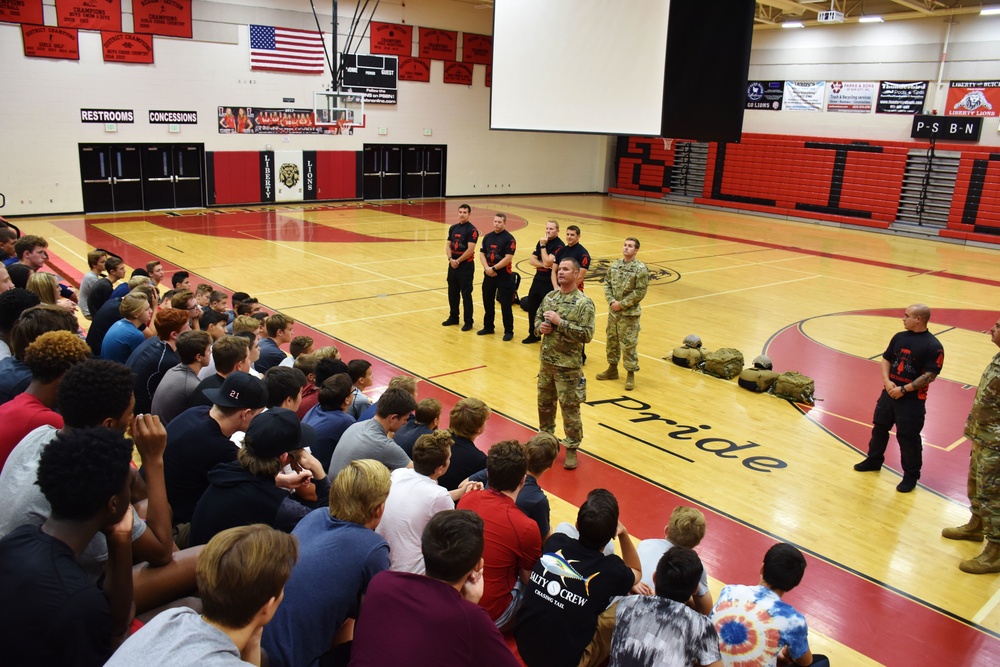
[831, 595]
[464, 370]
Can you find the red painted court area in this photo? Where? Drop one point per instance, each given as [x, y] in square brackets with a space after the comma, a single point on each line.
[833, 597]
[271, 224]
[849, 387]
[830, 596]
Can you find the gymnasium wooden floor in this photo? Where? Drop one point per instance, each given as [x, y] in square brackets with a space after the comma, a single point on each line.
[882, 586]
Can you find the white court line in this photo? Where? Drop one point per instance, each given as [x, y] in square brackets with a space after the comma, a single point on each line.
[378, 317]
[55, 241]
[732, 291]
[985, 610]
[869, 426]
[329, 259]
[327, 286]
[396, 261]
[746, 264]
[335, 285]
[651, 357]
[718, 245]
[698, 246]
[909, 290]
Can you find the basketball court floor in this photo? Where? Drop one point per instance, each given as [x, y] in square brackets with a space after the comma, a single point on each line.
[881, 587]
